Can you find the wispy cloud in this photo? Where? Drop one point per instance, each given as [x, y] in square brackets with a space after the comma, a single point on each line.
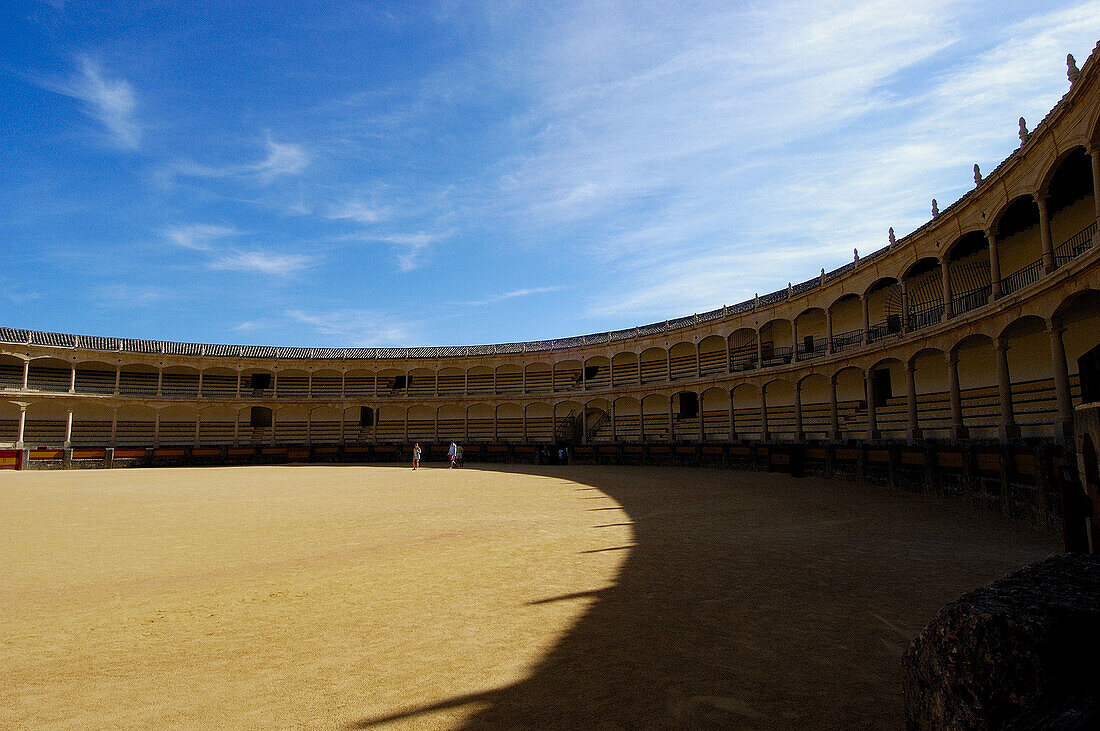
[263, 262]
[198, 236]
[360, 328]
[503, 297]
[281, 159]
[357, 211]
[122, 294]
[112, 102]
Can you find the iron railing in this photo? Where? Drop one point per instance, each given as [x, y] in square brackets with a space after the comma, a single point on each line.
[973, 299]
[846, 340]
[925, 315]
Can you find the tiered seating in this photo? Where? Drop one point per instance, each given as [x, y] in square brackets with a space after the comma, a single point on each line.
[180, 385]
[134, 433]
[628, 427]
[359, 385]
[781, 422]
[219, 386]
[46, 433]
[509, 382]
[566, 379]
[94, 381]
[421, 430]
[539, 381]
[479, 383]
[9, 430]
[177, 432]
[481, 430]
[626, 373]
[422, 386]
[292, 387]
[326, 432]
[91, 433]
[539, 429]
[601, 379]
[41, 378]
[11, 375]
[510, 430]
[654, 371]
[326, 387]
[452, 429]
[716, 424]
[682, 366]
[215, 432]
[452, 384]
[712, 362]
[290, 432]
[137, 383]
[391, 431]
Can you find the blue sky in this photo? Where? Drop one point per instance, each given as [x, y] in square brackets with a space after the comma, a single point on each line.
[339, 174]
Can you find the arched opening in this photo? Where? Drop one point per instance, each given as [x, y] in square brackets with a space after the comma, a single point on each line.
[655, 418]
[257, 383]
[539, 378]
[776, 343]
[889, 398]
[177, 425]
[480, 423]
[846, 314]
[509, 423]
[324, 423]
[746, 411]
[924, 293]
[219, 382]
[654, 365]
[421, 384]
[1071, 207]
[1079, 315]
[744, 354]
[389, 424]
[292, 383]
[452, 423]
[421, 423]
[1019, 244]
[92, 424]
[134, 426]
[567, 422]
[326, 384]
[216, 424]
[95, 377]
[977, 368]
[851, 402]
[540, 423]
[686, 416]
[715, 407]
[780, 402]
[816, 406]
[628, 419]
[9, 422]
[452, 381]
[567, 376]
[509, 379]
[359, 383]
[1034, 403]
[597, 372]
[884, 309]
[625, 369]
[597, 421]
[11, 372]
[811, 329]
[712, 355]
[392, 382]
[49, 374]
[968, 267]
[933, 405]
[681, 361]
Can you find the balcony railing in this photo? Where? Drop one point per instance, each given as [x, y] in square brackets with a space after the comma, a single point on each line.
[1022, 277]
[846, 340]
[1075, 245]
[925, 315]
[777, 356]
[970, 300]
[810, 349]
[889, 326]
[742, 362]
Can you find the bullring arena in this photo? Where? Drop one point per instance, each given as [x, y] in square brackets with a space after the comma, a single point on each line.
[764, 503]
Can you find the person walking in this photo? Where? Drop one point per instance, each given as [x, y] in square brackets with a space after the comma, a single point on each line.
[416, 455]
[452, 452]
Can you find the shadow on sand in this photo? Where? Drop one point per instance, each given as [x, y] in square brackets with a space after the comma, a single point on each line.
[751, 600]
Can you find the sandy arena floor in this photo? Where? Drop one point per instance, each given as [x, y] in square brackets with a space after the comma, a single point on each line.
[378, 597]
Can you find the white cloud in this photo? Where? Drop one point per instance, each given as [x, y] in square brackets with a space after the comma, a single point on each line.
[282, 159]
[357, 211]
[494, 299]
[110, 101]
[359, 328]
[263, 262]
[198, 236]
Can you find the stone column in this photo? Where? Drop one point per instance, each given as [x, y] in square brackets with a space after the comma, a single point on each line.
[954, 394]
[611, 411]
[524, 417]
[309, 384]
[343, 418]
[698, 362]
[639, 357]
[198, 425]
[584, 375]
[118, 378]
[911, 401]
[237, 427]
[794, 341]
[904, 306]
[160, 380]
[275, 383]
[611, 370]
[1008, 428]
[945, 271]
[466, 424]
[1044, 231]
[764, 433]
[702, 424]
[799, 434]
[156, 428]
[407, 422]
[872, 417]
[466, 386]
[200, 384]
[238, 383]
[72, 378]
[274, 420]
[1061, 381]
[69, 429]
[994, 265]
[22, 427]
[759, 349]
[309, 426]
[829, 331]
[114, 427]
[834, 412]
[26, 373]
[435, 432]
[866, 318]
[729, 368]
[1094, 156]
[671, 422]
[496, 434]
[668, 364]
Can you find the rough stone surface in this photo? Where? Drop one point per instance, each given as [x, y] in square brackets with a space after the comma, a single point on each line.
[1023, 652]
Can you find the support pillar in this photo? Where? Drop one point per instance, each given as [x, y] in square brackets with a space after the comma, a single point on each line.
[945, 271]
[702, 423]
[69, 429]
[237, 425]
[829, 331]
[22, 427]
[114, 427]
[198, 425]
[834, 412]
[671, 422]
[994, 265]
[118, 378]
[872, 418]
[1094, 156]
[156, 428]
[238, 383]
[764, 434]
[799, 434]
[914, 431]
[1044, 231]
[26, 373]
[200, 384]
[866, 319]
[1008, 428]
[1061, 382]
[72, 379]
[954, 394]
[904, 306]
[733, 425]
[611, 413]
[160, 380]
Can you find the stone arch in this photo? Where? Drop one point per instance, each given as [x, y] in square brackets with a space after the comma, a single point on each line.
[776, 342]
[779, 396]
[539, 378]
[624, 368]
[712, 355]
[628, 419]
[655, 418]
[747, 422]
[653, 363]
[221, 382]
[714, 406]
[977, 369]
[91, 424]
[597, 372]
[811, 333]
[851, 400]
[884, 308]
[49, 374]
[509, 422]
[816, 405]
[95, 376]
[452, 423]
[682, 361]
[567, 421]
[539, 418]
[930, 383]
[479, 422]
[597, 420]
[1078, 316]
[744, 353]
[567, 375]
[509, 378]
[967, 261]
[11, 372]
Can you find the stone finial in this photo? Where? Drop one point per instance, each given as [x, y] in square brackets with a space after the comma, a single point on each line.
[1023, 130]
[977, 174]
[823, 275]
[935, 208]
[1072, 72]
[756, 300]
[855, 254]
[790, 290]
[893, 239]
